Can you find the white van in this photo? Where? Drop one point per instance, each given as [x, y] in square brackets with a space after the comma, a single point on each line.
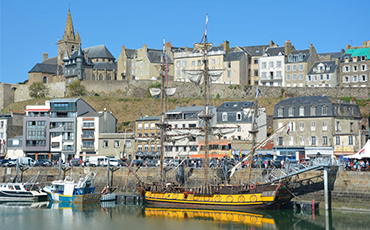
[98, 161]
[27, 161]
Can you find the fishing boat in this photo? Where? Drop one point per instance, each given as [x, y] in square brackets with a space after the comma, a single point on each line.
[108, 193]
[17, 191]
[212, 196]
[69, 191]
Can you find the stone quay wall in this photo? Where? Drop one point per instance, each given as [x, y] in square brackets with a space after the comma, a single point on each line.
[347, 189]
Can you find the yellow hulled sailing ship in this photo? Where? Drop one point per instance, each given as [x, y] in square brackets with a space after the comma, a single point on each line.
[210, 196]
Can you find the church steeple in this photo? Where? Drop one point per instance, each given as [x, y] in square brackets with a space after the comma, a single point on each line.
[69, 32]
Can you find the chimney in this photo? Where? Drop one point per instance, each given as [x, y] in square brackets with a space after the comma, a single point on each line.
[145, 49]
[348, 47]
[288, 48]
[105, 120]
[272, 44]
[226, 47]
[311, 48]
[44, 56]
[337, 60]
[353, 101]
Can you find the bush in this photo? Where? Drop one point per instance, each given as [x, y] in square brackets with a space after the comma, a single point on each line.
[218, 96]
[76, 89]
[38, 90]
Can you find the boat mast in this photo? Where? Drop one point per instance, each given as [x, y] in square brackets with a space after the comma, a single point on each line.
[254, 132]
[206, 112]
[162, 122]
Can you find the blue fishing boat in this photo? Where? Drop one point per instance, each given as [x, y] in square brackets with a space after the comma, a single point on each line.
[69, 191]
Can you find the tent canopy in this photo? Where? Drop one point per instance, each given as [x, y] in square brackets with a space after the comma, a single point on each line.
[363, 153]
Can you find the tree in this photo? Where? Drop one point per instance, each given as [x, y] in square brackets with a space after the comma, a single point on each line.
[38, 90]
[76, 89]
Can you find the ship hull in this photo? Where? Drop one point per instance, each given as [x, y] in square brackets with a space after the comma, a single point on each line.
[261, 197]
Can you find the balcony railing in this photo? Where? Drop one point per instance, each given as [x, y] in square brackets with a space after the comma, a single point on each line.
[87, 147]
[87, 136]
[84, 126]
[68, 147]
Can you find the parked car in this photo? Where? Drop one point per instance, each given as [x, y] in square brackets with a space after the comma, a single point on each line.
[276, 164]
[149, 163]
[11, 163]
[3, 162]
[75, 162]
[43, 163]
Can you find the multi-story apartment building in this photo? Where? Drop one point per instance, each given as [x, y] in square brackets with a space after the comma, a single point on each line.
[323, 74]
[49, 131]
[298, 64]
[146, 145]
[317, 125]
[15, 147]
[192, 59]
[355, 66]
[240, 114]
[117, 145]
[236, 69]
[11, 125]
[142, 64]
[90, 126]
[186, 118]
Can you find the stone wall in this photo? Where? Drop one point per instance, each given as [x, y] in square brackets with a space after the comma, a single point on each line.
[56, 90]
[347, 189]
[6, 95]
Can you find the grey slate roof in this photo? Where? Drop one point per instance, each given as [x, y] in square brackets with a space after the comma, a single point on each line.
[317, 101]
[235, 106]
[333, 54]
[105, 65]
[64, 100]
[91, 114]
[234, 56]
[156, 118]
[274, 51]
[184, 109]
[46, 68]
[99, 52]
[154, 56]
[255, 50]
[306, 55]
[349, 56]
[331, 64]
[51, 61]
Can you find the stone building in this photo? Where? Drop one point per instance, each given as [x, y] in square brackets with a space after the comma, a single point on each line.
[145, 144]
[323, 74]
[72, 62]
[117, 145]
[317, 124]
[355, 66]
[298, 64]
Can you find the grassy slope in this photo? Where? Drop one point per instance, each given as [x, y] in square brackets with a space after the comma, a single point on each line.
[128, 109]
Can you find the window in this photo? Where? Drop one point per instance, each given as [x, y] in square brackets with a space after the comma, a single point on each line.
[321, 77]
[192, 63]
[109, 77]
[327, 77]
[256, 73]
[294, 67]
[139, 126]
[337, 140]
[152, 125]
[213, 61]
[116, 143]
[324, 140]
[351, 126]
[292, 126]
[300, 66]
[44, 79]
[238, 116]
[280, 112]
[152, 148]
[313, 140]
[338, 126]
[278, 74]
[288, 68]
[313, 125]
[255, 61]
[300, 76]
[291, 140]
[271, 64]
[301, 141]
[199, 62]
[264, 75]
[128, 144]
[288, 77]
[301, 126]
[239, 129]
[354, 79]
[228, 73]
[313, 111]
[184, 63]
[291, 112]
[363, 78]
[229, 65]
[146, 125]
[354, 68]
[301, 111]
[278, 63]
[100, 77]
[263, 65]
[324, 126]
[363, 67]
[281, 141]
[105, 144]
[178, 64]
[309, 78]
[146, 147]
[346, 68]
[224, 116]
[350, 140]
[325, 110]
[294, 76]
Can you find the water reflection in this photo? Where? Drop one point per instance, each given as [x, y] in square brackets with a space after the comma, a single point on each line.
[45, 215]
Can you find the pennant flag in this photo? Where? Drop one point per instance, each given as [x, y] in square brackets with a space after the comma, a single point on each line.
[258, 91]
[205, 31]
[241, 155]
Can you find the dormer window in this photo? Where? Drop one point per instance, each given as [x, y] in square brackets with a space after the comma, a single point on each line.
[363, 58]
[300, 57]
[291, 112]
[324, 110]
[301, 111]
[354, 59]
[224, 116]
[346, 59]
[280, 112]
[290, 58]
[313, 111]
[238, 116]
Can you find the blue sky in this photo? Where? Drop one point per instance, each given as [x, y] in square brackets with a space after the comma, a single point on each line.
[29, 28]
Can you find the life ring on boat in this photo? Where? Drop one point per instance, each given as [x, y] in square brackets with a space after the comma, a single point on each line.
[206, 198]
[148, 194]
[241, 198]
[253, 219]
[229, 198]
[229, 216]
[217, 216]
[175, 196]
[196, 197]
[218, 198]
[252, 186]
[241, 217]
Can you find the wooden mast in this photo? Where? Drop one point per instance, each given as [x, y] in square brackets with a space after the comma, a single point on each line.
[206, 112]
[162, 121]
[254, 132]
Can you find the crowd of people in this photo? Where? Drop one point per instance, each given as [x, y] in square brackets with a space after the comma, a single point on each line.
[357, 165]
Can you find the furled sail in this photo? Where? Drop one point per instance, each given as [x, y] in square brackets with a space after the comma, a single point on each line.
[215, 74]
[194, 76]
[156, 92]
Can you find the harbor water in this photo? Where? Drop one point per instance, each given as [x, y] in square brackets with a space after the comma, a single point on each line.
[46, 215]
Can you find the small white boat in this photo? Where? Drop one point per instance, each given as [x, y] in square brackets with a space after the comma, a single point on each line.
[71, 192]
[16, 191]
